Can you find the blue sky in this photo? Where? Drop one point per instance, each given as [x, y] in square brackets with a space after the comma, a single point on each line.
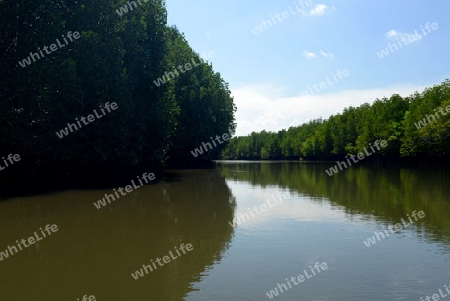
[268, 70]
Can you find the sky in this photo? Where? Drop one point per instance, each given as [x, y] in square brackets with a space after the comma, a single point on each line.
[288, 62]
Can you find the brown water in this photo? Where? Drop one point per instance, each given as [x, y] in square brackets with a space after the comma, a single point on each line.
[318, 218]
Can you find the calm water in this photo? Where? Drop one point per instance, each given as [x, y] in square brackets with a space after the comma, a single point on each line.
[317, 219]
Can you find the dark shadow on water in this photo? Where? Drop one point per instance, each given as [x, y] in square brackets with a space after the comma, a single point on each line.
[96, 250]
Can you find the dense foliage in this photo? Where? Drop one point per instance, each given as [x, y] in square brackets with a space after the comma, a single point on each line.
[116, 59]
[394, 120]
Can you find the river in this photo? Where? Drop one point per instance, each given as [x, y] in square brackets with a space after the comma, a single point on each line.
[238, 232]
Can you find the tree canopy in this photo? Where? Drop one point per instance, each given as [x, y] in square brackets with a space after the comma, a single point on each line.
[115, 59]
[395, 119]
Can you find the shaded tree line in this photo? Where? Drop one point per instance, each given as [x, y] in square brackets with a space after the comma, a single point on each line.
[116, 59]
[395, 119]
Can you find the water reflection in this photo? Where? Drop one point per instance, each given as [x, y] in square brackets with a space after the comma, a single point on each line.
[96, 250]
[384, 195]
[323, 219]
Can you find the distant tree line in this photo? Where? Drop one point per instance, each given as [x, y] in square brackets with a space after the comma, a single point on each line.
[116, 59]
[417, 126]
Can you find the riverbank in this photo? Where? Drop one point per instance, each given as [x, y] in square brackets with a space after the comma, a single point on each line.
[374, 161]
[23, 180]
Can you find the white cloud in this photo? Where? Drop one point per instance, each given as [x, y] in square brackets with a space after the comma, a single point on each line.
[308, 55]
[391, 33]
[262, 107]
[327, 55]
[394, 35]
[318, 10]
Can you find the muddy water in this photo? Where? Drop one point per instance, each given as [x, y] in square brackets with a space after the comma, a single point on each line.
[237, 252]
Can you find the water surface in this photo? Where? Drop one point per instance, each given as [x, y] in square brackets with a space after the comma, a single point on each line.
[320, 219]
